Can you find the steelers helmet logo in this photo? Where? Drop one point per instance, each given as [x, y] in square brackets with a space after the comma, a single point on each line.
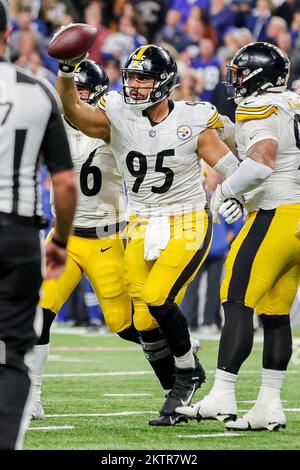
[184, 132]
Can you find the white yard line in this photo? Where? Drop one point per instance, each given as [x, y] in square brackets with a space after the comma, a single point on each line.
[218, 434]
[95, 415]
[258, 372]
[94, 348]
[291, 410]
[50, 428]
[137, 372]
[130, 413]
[127, 394]
[67, 359]
[254, 401]
[98, 374]
[78, 331]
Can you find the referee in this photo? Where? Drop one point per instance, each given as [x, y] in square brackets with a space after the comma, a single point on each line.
[30, 127]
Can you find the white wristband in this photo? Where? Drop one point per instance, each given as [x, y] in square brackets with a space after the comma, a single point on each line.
[227, 165]
[65, 74]
[248, 176]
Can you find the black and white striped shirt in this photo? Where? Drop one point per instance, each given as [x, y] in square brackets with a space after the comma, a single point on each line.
[30, 127]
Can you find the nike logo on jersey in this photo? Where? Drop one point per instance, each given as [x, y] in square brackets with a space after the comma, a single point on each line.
[105, 249]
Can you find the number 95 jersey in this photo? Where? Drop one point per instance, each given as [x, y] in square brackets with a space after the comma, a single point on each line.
[159, 163]
[100, 185]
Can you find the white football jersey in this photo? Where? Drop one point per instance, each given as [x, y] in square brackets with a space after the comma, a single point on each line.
[276, 116]
[159, 163]
[100, 185]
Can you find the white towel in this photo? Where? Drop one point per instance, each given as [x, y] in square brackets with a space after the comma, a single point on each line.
[157, 237]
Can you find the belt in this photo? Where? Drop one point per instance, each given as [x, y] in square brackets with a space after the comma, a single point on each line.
[7, 220]
[99, 232]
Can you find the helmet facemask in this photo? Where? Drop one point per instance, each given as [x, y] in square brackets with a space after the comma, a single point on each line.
[93, 93]
[157, 91]
[127, 75]
[255, 69]
[236, 82]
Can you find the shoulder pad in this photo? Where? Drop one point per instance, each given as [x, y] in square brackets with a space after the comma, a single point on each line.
[210, 116]
[248, 112]
[215, 122]
[101, 103]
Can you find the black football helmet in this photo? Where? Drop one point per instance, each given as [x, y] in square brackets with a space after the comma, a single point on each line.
[91, 75]
[256, 68]
[154, 62]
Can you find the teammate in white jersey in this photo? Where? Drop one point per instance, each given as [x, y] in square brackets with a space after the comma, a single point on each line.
[157, 145]
[95, 246]
[263, 265]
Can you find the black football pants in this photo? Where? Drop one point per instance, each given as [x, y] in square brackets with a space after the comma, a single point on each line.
[20, 281]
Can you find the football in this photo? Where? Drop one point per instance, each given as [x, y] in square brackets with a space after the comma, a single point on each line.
[72, 41]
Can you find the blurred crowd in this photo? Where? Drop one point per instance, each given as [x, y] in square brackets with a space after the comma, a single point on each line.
[202, 35]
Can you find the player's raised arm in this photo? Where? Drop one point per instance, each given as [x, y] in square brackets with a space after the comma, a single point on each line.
[90, 120]
[70, 46]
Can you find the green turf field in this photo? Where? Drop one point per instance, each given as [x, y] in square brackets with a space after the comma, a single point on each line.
[99, 393]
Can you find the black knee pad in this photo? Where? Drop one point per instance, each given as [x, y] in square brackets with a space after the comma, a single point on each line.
[154, 345]
[157, 352]
[48, 318]
[274, 321]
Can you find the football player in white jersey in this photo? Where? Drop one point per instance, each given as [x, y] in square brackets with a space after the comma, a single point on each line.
[95, 246]
[263, 265]
[158, 145]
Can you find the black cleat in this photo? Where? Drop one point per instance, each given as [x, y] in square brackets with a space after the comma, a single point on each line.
[171, 420]
[187, 381]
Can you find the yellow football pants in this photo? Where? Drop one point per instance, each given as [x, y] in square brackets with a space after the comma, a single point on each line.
[153, 282]
[102, 260]
[263, 264]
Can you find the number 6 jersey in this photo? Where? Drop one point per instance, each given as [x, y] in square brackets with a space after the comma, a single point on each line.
[159, 163]
[100, 185]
